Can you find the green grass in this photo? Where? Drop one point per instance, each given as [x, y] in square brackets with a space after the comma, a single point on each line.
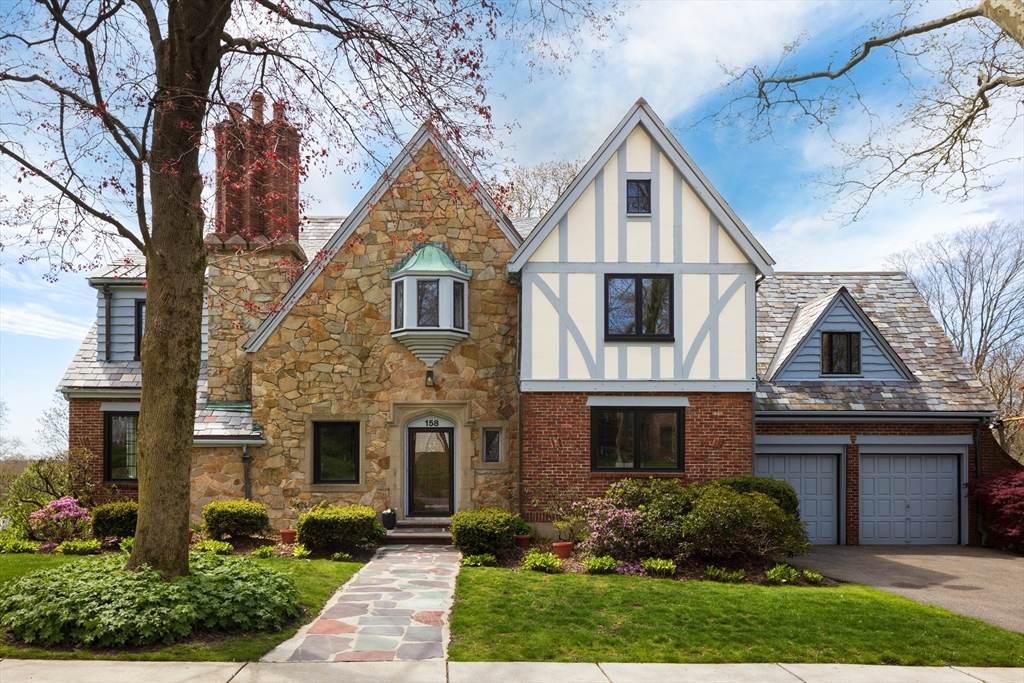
[502, 615]
[315, 579]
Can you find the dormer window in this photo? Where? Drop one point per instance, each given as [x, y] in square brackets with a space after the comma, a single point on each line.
[428, 292]
[840, 353]
[638, 196]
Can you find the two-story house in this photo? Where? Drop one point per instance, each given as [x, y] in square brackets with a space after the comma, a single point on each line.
[428, 354]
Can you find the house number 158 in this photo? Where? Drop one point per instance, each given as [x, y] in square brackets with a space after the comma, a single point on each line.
[433, 423]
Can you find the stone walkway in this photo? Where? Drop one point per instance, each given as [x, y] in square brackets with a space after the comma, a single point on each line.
[395, 608]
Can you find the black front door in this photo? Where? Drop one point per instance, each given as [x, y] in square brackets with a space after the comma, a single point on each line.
[431, 471]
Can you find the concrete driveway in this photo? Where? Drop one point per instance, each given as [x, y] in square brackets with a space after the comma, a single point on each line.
[977, 582]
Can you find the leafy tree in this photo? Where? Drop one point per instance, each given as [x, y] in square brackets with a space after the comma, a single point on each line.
[954, 85]
[973, 281]
[105, 107]
[531, 190]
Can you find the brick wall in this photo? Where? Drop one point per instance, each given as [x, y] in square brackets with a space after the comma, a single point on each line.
[556, 444]
[993, 458]
[85, 431]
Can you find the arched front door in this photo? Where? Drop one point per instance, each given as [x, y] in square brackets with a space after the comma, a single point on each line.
[431, 467]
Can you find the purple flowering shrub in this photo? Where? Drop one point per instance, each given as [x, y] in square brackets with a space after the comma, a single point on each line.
[614, 531]
[60, 520]
[630, 568]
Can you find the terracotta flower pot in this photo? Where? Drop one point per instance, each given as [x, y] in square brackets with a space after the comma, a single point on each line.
[288, 536]
[191, 535]
[523, 541]
[562, 549]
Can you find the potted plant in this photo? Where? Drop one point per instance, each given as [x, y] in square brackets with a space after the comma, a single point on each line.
[389, 518]
[561, 504]
[521, 532]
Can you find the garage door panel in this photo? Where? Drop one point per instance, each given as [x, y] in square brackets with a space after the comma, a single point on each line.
[813, 479]
[909, 499]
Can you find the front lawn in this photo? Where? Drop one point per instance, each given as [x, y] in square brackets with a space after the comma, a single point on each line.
[316, 580]
[501, 615]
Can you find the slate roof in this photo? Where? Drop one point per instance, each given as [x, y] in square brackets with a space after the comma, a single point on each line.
[943, 382]
[86, 372]
[524, 226]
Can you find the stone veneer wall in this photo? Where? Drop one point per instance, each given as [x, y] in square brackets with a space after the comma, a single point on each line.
[333, 358]
[993, 458]
[718, 442]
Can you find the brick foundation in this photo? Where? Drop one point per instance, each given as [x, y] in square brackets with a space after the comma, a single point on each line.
[993, 458]
[556, 444]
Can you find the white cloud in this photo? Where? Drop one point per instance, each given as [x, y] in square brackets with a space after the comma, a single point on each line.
[36, 320]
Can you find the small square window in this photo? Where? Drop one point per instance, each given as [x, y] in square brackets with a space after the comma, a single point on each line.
[840, 353]
[638, 196]
[336, 453]
[492, 445]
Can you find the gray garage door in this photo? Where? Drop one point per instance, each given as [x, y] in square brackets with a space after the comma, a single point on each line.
[814, 478]
[909, 499]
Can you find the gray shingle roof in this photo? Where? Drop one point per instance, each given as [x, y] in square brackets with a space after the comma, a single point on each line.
[89, 373]
[943, 382]
[524, 226]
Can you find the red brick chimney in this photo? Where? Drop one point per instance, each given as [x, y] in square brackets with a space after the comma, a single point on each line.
[257, 193]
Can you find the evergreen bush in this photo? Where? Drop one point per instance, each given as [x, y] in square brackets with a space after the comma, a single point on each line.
[115, 520]
[478, 532]
[235, 518]
[330, 529]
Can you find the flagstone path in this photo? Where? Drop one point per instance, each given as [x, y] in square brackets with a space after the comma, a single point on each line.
[395, 608]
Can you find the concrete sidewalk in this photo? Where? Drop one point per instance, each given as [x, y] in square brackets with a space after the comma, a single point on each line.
[439, 671]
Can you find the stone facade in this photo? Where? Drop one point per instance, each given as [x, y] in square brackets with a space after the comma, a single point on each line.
[332, 358]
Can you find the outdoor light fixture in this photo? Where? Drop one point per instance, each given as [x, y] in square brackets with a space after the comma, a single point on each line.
[430, 378]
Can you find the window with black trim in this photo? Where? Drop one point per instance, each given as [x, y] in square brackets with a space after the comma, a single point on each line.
[638, 196]
[427, 303]
[121, 446]
[636, 438]
[140, 326]
[492, 445]
[459, 305]
[840, 353]
[638, 307]
[335, 452]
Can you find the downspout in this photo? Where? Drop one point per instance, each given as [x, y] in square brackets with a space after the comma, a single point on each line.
[977, 469]
[106, 322]
[519, 387]
[245, 471]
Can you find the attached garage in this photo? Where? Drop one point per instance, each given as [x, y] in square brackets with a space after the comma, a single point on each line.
[909, 499]
[815, 476]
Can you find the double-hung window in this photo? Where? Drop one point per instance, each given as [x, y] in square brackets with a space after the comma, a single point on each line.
[840, 353]
[638, 308]
[336, 453]
[636, 438]
[121, 446]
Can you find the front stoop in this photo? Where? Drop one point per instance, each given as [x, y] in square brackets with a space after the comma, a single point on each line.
[418, 536]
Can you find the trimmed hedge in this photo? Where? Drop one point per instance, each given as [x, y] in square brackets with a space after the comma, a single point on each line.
[782, 492]
[115, 519]
[476, 532]
[235, 518]
[332, 529]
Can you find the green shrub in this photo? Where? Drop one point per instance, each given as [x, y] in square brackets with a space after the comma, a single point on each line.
[330, 529]
[264, 551]
[341, 557]
[476, 532]
[235, 518]
[115, 520]
[662, 569]
[601, 565]
[92, 602]
[126, 545]
[542, 562]
[16, 546]
[90, 547]
[301, 552]
[727, 524]
[520, 527]
[482, 560]
[724, 575]
[215, 547]
[812, 577]
[782, 574]
[782, 492]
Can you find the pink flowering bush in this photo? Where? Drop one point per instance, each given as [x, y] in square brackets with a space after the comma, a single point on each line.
[60, 520]
[614, 531]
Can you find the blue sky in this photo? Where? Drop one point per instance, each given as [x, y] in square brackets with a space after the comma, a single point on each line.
[669, 54]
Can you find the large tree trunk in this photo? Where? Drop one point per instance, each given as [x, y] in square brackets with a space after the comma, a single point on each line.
[175, 265]
[1007, 14]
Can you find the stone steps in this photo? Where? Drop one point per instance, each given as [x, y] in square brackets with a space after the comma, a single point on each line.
[405, 535]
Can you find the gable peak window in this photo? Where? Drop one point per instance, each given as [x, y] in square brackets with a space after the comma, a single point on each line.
[840, 353]
[638, 307]
[638, 196]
